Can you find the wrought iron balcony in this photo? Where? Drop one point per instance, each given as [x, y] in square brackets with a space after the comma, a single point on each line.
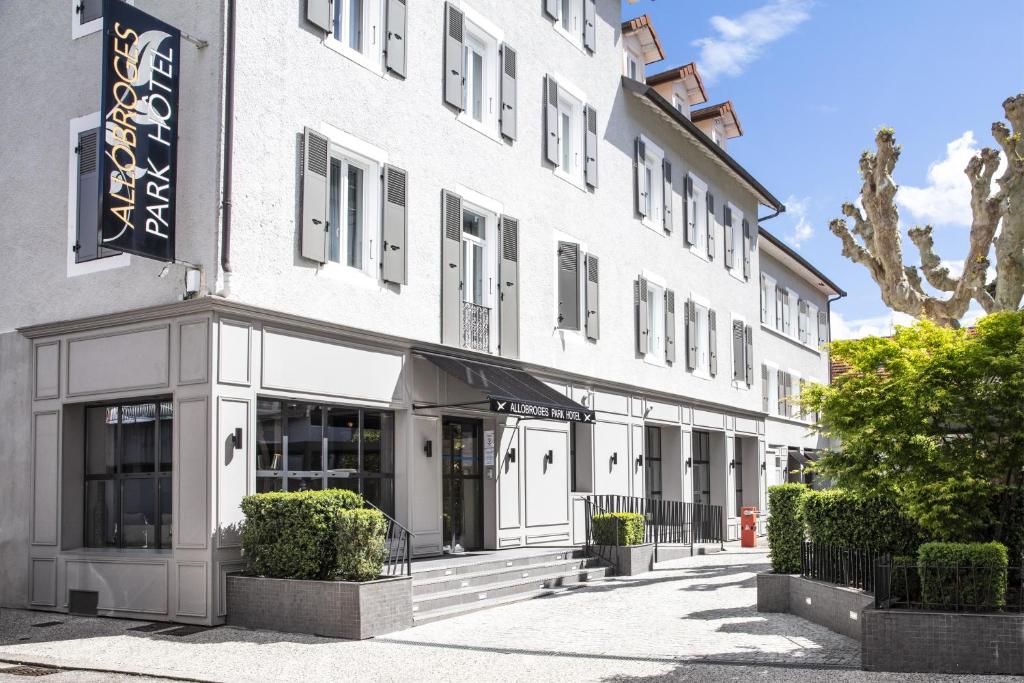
[476, 327]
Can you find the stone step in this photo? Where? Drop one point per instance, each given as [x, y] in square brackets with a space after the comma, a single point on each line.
[489, 562]
[472, 595]
[486, 577]
[420, 618]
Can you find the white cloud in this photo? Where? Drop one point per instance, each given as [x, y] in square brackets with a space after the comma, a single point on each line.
[740, 40]
[802, 230]
[946, 199]
[878, 326]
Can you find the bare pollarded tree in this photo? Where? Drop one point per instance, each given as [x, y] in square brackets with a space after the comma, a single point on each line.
[880, 250]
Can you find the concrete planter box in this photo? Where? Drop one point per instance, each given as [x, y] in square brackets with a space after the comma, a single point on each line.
[629, 560]
[836, 608]
[943, 642]
[335, 609]
[773, 592]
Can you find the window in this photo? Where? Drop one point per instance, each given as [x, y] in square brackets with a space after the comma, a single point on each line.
[475, 271]
[569, 22]
[87, 17]
[570, 136]
[355, 31]
[128, 459]
[656, 322]
[697, 216]
[653, 186]
[737, 459]
[701, 468]
[311, 446]
[767, 300]
[353, 213]
[480, 66]
[652, 462]
[796, 385]
[803, 321]
[734, 242]
[770, 389]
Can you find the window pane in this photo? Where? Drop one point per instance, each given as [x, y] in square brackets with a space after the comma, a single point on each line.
[305, 437]
[166, 434]
[380, 492]
[164, 485]
[347, 483]
[338, 16]
[139, 503]
[378, 442]
[473, 224]
[138, 438]
[342, 438]
[477, 285]
[567, 14]
[355, 24]
[305, 483]
[334, 213]
[354, 217]
[648, 189]
[267, 484]
[566, 141]
[477, 74]
[101, 522]
[653, 341]
[268, 435]
[100, 435]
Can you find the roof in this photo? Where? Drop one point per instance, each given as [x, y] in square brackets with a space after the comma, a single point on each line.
[653, 97]
[680, 73]
[722, 109]
[653, 51]
[801, 261]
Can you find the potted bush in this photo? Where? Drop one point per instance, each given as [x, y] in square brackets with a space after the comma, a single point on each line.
[315, 560]
[619, 537]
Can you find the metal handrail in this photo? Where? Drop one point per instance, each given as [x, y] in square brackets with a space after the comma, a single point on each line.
[591, 506]
[396, 538]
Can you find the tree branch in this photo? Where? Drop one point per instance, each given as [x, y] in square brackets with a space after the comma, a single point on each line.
[931, 265]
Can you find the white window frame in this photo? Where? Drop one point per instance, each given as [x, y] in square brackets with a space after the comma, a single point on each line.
[77, 126]
[736, 270]
[574, 34]
[698, 211]
[78, 30]
[487, 35]
[372, 55]
[795, 377]
[491, 209]
[656, 346]
[773, 388]
[654, 157]
[794, 314]
[812, 325]
[680, 100]
[583, 249]
[768, 285]
[739, 383]
[571, 100]
[702, 316]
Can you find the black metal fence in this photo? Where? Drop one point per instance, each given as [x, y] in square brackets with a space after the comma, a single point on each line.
[670, 521]
[948, 588]
[605, 552]
[398, 544]
[850, 567]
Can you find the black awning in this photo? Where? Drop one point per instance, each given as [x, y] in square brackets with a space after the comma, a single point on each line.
[509, 390]
[803, 456]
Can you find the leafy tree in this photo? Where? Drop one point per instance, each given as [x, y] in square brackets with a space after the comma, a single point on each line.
[933, 417]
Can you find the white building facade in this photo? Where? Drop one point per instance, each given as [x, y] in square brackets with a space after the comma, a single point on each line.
[459, 256]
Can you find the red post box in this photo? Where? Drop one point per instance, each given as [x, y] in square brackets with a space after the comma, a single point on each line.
[748, 526]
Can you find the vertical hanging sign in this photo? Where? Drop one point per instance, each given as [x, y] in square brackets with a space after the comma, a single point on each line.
[139, 109]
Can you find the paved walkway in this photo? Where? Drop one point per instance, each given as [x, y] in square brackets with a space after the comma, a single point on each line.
[692, 620]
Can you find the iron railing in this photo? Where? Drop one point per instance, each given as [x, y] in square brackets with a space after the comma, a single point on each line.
[947, 588]
[476, 326]
[607, 553]
[671, 521]
[398, 542]
[850, 567]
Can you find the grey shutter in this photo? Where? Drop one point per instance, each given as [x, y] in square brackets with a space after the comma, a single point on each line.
[780, 390]
[590, 146]
[688, 217]
[691, 335]
[394, 46]
[590, 24]
[393, 260]
[593, 302]
[454, 22]
[551, 8]
[802, 321]
[642, 324]
[789, 393]
[640, 170]
[780, 307]
[748, 354]
[666, 194]
[712, 342]
[451, 268]
[551, 119]
[670, 326]
[711, 225]
[318, 12]
[88, 193]
[316, 161]
[737, 349]
[569, 285]
[787, 313]
[764, 388]
[822, 327]
[508, 285]
[746, 248]
[509, 60]
[729, 246]
[89, 10]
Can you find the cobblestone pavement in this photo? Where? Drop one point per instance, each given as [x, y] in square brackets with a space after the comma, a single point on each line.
[692, 619]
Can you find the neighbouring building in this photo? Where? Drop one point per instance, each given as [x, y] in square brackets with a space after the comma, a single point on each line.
[464, 257]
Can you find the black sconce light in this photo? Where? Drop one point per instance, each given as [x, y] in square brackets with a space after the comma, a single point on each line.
[615, 458]
[428, 448]
[549, 457]
[640, 460]
[511, 455]
[236, 438]
[764, 466]
[689, 462]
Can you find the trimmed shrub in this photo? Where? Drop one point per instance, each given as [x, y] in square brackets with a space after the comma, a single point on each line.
[851, 520]
[629, 524]
[958, 575]
[295, 535]
[785, 526]
[361, 548]
[905, 584]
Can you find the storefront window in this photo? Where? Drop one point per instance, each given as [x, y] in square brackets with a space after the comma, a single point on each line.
[702, 468]
[327, 447]
[128, 455]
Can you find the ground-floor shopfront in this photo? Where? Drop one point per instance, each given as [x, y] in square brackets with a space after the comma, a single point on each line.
[142, 432]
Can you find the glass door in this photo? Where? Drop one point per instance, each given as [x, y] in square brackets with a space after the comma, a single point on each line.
[652, 462]
[702, 468]
[462, 485]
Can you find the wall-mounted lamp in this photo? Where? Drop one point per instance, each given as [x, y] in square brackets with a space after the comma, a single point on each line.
[549, 457]
[236, 438]
[640, 460]
[647, 410]
[511, 455]
[764, 466]
[615, 458]
[689, 462]
[428, 448]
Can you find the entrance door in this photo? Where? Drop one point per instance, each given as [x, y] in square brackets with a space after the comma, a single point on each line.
[652, 462]
[702, 468]
[462, 494]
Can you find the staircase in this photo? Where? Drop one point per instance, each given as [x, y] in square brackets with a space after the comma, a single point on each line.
[467, 586]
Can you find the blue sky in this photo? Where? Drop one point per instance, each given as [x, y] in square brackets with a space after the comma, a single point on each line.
[812, 80]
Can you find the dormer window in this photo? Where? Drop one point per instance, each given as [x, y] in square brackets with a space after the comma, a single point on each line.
[719, 122]
[640, 46]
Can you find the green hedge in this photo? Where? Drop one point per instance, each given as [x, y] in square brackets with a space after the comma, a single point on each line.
[312, 535]
[785, 526]
[629, 524]
[962, 574]
[851, 520]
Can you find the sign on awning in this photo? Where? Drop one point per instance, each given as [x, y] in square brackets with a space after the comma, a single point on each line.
[139, 109]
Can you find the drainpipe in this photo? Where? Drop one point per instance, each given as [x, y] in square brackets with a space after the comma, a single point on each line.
[828, 307]
[229, 131]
